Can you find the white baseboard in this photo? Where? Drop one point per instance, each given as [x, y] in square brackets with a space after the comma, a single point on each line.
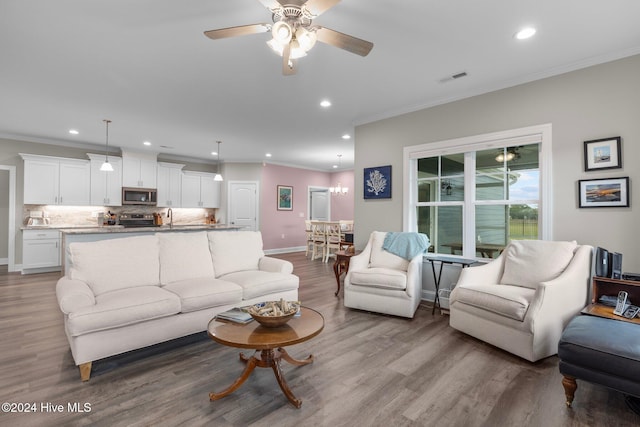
[4, 261]
[284, 250]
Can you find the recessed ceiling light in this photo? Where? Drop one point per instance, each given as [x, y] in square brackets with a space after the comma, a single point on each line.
[73, 132]
[147, 143]
[325, 103]
[346, 136]
[268, 155]
[525, 33]
[214, 153]
[335, 166]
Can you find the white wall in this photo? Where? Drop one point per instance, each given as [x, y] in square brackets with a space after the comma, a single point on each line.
[592, 103]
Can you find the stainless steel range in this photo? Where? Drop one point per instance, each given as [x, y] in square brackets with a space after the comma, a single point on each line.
[137, 220]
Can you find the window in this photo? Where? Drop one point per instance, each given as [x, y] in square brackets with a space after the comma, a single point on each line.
[472, 196]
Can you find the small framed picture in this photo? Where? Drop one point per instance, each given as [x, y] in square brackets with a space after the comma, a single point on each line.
[603, 154]
[602, 193]
[285, 198]
[377, 182]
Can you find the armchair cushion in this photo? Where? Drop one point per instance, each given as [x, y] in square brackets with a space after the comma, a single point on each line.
[530, 262]
[384, 278]
[381, 258]
[508, 301]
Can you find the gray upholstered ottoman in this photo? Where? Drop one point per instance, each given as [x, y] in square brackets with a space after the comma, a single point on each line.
[601, 351]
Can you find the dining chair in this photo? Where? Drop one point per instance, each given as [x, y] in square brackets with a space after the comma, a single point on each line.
[308, 231]
[319, 240]
[334, 238]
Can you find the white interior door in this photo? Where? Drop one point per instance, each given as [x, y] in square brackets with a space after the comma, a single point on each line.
[319, 205]
[243, 204]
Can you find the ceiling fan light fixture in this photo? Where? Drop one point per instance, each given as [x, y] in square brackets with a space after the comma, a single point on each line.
[275, 46]
[307, 39]
[282, 32]
[295, 50]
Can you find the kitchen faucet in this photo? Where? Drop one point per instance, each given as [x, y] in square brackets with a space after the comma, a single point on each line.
[170, 215]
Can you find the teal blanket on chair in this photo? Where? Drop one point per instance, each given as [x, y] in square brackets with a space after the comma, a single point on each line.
[406, 244]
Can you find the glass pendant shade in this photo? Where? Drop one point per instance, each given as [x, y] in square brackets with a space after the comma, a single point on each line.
[106, 166]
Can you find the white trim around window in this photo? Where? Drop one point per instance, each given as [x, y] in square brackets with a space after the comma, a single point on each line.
[534, 134]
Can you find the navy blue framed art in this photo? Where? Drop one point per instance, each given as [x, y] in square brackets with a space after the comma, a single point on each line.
[377, 182]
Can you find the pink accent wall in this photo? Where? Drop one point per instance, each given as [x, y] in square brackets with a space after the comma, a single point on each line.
[275, 223]
[342, 207]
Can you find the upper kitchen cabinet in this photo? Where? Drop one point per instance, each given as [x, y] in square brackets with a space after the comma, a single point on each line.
[200, 190]
[106, 187]
[169, 185]
[139, 170]
[56, 181]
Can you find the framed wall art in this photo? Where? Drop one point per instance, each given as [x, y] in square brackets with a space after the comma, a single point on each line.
[285, 198]
[603, 154]
[605, 192]
[377, 182]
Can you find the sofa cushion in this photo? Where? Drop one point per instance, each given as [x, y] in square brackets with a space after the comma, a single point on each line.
[261, 283]
[505, 300]
[383, 259]
[530, 262]
[233, 251]
[197, 294]
[123, 307]
[384, 278]
[109, 265]
[184, 256]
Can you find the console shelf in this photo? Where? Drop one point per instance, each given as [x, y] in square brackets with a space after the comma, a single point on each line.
[607, 286]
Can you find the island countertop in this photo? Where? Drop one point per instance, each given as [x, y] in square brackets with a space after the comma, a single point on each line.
[109, 229]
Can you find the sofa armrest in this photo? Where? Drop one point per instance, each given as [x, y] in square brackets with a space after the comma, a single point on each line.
[275, 265]
[73, 294]
[565, 295]
[487, 273]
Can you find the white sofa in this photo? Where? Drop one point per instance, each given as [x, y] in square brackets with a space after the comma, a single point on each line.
[522, 300]
[128, 293]
[382, 282]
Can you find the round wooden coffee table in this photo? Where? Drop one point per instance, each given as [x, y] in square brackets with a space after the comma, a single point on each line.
[268, 344]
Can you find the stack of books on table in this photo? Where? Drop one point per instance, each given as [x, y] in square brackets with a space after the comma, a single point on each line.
[235, 315]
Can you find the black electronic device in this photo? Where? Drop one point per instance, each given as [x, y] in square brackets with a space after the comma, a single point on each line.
[615, 265]
[621, 305]
[602, 262]
[631, 312]
[631, 276]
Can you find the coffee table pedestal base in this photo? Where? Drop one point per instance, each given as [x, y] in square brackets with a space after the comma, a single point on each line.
[267, 359]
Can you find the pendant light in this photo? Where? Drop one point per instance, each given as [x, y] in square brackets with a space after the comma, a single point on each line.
[218, 177]
[106, 166]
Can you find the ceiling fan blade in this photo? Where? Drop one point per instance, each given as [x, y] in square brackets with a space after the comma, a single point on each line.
[298, 3]
[318, 7]
[288, 64]
[344, 41]
[270, 4]
[237, 31]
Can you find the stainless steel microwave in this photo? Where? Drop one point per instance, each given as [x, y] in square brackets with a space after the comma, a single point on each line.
[139, 196]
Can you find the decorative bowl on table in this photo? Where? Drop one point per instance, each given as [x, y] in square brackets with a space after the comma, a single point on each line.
[272, 314]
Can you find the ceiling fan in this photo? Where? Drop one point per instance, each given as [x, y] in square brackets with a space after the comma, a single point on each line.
[293, 32]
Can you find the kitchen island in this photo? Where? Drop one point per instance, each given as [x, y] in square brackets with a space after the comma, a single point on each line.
[94, 234]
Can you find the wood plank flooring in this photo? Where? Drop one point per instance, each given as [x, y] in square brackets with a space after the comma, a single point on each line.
[370, 370]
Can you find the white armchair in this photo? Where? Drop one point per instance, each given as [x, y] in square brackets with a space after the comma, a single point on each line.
[521, 301]
[382, 282]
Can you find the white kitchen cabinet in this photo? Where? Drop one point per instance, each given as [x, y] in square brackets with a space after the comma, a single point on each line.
[41, 249]
[56, 181]
[200, 190]
[139, 170]
[169, 185]
[106, 187]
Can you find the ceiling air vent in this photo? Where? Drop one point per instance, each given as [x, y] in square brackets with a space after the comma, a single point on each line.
[454, 77]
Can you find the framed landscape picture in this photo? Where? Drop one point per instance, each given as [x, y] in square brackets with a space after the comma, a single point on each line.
[285, 198]
[606, 192]
[603, 154]
[377, 182]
